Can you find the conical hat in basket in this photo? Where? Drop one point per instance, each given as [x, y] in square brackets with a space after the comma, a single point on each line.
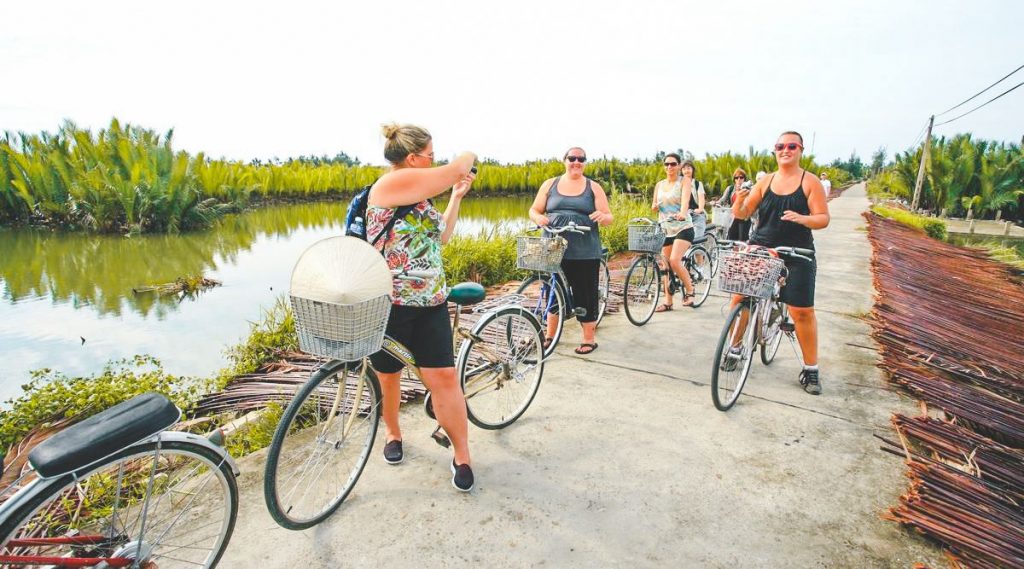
[341, 270]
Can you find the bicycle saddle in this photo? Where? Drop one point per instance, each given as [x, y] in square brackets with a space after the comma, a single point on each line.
[465, 294]
[103, 434]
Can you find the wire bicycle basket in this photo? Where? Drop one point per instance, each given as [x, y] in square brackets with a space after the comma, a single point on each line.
[749, 274]
[540, 253]
[347, 332]
[646, 238]
[722, 216]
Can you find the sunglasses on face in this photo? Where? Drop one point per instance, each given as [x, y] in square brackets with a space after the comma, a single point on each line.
[790, 146]
[739, 177]
[580, 159]
[671, 163]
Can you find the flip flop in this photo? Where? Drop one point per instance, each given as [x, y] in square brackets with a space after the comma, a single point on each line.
[548, 342]
[689, 296]
[583, 351]
[663, 308]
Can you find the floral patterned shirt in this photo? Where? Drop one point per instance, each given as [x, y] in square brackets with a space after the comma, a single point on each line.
[414, 244]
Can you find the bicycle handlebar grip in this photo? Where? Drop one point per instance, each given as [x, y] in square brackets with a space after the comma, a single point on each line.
[804, 252]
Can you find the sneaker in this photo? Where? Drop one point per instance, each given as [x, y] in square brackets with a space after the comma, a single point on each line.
[462, 477]
[393, 452]
[809, 379]
[732, 358]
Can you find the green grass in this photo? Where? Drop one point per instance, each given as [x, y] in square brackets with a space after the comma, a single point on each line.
[934, 228]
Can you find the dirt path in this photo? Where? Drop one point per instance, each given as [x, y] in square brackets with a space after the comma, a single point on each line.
[623, 460]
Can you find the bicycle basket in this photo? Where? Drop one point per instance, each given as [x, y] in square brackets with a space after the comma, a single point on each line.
[346, 332]
[540, 253]
[722, 216]
[646, 238]
[749, 274]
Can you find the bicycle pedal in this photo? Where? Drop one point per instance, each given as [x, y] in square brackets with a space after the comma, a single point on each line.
[441, 438]
[787, 327]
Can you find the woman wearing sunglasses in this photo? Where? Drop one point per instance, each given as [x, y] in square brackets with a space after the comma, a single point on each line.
[790, 204]
[740, 228]
[573, 197]
[671, 201]
[419, 316]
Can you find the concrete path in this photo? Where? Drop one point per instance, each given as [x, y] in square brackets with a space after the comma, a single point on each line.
[622, 460]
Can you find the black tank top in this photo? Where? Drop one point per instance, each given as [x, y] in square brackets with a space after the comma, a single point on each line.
[771, 230]
[561, 209]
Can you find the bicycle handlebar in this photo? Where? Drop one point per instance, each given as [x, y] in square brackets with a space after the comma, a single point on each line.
[789, 252]
[407, 275]
[571, 227]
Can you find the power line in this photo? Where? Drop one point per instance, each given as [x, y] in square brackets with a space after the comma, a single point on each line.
[920, 134]
[981, 105]
[980, 92]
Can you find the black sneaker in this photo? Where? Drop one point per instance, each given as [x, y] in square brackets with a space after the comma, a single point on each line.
[809, 379]
[393, 452]
[462, 477]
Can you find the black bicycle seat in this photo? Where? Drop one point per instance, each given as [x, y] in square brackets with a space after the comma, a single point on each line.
[103, 434]
[465, 294]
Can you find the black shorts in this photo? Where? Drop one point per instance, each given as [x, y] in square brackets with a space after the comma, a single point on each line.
[583, 279]
[739, 230]
[425, 330]
[799, 288]
[684, 235]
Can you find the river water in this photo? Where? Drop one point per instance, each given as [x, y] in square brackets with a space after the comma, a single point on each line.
[67, 300]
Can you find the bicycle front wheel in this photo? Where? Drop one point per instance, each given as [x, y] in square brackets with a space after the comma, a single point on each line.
[604, 279]
[733, 357]
[698, 263]
[642, 290]
[166, 504]
[321, 444]
[711, 245]
[778, 314]
[500, 367]
[543, 298]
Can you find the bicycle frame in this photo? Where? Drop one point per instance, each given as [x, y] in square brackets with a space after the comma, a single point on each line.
[43, 486]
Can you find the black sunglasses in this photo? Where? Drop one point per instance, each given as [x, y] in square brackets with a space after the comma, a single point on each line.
[580, 159]
[739, 177]
[671, 163]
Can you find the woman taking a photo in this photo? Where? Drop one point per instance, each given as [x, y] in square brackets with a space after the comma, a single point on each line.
[740, 228]
[573, 197]
[419, 316]
[790, 204]
[670, 196]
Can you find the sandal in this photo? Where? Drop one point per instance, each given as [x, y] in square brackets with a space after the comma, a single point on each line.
[547, 342]
[688, 296]
[586, 348]
[663, 308]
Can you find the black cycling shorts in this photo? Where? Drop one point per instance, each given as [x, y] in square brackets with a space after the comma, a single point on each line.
[684, 235]
[799, 288]
[425, 330]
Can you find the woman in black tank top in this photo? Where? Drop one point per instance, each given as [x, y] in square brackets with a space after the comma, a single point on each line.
[789, 205]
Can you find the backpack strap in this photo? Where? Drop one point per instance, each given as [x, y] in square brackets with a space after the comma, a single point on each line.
[400, 212]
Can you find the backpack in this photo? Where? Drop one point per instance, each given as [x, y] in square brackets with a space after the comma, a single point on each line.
[355, 216]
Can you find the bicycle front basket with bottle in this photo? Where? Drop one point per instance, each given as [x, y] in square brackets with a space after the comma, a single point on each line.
[540, 253]
[749, 274]
[341, 298]
[646, 238]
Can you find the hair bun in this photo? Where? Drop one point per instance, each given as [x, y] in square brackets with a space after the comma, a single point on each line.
[390, 130]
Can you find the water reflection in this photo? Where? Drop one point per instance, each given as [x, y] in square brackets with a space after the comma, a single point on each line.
[56, 289]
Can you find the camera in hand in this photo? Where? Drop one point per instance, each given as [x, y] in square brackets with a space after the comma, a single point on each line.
[747, 185]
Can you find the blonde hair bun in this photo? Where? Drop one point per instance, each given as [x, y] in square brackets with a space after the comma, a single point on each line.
[390, 130]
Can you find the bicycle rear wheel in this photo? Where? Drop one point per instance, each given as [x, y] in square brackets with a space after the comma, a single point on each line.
[698, 263]
[102, 512]
[773, 337]
[733, 357]
[500, 367]
[642, 290]
[604, 279]
[711, 245]
[321, 444]
[544, 297]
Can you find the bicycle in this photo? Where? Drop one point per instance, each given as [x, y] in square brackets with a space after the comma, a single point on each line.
[118, 490]
[325, 434]
[546, 291]
[644, 277]
[757, 273]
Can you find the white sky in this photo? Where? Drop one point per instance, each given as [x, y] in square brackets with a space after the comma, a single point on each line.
[513, 80]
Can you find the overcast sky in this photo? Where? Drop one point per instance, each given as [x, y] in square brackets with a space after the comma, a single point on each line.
[513, 80]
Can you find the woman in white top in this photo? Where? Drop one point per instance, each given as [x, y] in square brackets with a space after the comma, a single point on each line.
[671, 201]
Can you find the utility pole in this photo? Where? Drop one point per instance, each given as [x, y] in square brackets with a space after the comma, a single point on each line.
[920, 171]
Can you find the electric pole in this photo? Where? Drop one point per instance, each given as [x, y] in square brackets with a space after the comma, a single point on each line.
[920, 171]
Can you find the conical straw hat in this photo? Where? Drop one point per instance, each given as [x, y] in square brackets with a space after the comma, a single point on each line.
[341, 270]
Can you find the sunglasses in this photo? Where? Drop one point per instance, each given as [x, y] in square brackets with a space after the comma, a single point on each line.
[739, 177]
[791, 146]
[671, 163]
[580, 159]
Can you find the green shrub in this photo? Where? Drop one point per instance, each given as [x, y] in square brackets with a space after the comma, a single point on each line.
[934, 228]
[274, 332]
